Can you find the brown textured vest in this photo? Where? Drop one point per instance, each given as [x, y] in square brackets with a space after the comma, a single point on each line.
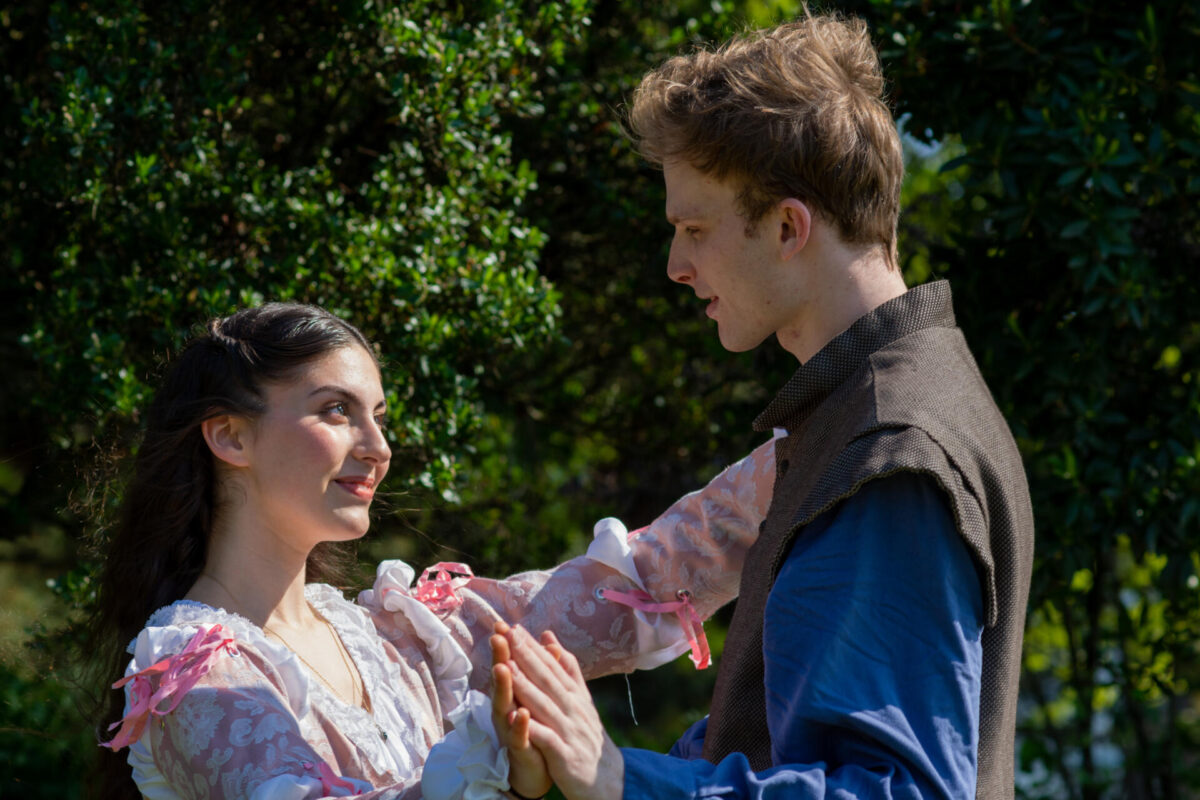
[897, 391]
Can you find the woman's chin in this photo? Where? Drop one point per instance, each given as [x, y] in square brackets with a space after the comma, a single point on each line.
[351, 524]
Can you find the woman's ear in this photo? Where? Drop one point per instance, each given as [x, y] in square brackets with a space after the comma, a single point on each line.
[228, 437]
[795, 226]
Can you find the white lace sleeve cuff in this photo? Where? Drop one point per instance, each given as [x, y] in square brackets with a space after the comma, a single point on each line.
[660, 637]
[469, 763]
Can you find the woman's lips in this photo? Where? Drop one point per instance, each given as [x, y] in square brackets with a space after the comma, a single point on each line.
[363, 488]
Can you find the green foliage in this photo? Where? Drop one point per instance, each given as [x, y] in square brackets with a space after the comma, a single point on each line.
[163, 166]
[637, 403]
[45, 744]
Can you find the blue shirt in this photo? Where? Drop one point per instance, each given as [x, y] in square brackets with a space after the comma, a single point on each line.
[872, 652]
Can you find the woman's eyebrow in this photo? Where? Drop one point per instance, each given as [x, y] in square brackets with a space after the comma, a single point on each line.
[329, 387]
[345, 393]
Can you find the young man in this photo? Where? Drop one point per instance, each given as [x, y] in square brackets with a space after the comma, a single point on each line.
[876, 644]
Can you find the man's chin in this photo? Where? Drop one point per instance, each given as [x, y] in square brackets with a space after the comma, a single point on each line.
[738, 344]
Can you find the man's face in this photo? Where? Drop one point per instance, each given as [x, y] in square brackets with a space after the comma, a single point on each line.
[751, 292]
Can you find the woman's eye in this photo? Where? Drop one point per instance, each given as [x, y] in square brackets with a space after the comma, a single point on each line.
[382, 422]
[338, 408]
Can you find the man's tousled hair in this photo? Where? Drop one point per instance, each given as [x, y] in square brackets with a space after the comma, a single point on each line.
[792, 111]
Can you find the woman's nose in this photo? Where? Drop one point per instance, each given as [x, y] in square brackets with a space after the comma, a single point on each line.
[373, 446]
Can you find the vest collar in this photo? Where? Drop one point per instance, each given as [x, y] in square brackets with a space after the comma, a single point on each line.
[925, 306]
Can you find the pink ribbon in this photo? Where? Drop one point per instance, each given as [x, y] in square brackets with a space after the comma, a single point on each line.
[437, 587]
[689, 620]
[176, 675]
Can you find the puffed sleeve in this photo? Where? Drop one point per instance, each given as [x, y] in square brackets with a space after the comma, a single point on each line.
[687, 561]
[229, 724]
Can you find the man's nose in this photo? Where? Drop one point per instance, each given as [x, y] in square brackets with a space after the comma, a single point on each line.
[679, 268]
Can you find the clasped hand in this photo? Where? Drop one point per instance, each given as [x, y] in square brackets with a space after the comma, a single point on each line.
[544, 714]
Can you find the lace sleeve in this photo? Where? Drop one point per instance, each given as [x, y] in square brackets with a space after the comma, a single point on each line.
[690, 556]
[242, 729]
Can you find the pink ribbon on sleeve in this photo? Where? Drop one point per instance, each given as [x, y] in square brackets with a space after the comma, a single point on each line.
[438, 585]
[689, 620]
[174, 675]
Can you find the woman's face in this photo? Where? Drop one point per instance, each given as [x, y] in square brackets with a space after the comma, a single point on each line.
[317, 455]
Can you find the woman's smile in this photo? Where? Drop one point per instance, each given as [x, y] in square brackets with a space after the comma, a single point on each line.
[362, 486]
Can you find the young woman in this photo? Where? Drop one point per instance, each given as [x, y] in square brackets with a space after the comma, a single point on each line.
[251, 676]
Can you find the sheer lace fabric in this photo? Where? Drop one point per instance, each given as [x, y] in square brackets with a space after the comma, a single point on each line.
[259, 725]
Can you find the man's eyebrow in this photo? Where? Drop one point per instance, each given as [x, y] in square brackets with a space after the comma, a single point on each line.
[346, 393]
[676, 218]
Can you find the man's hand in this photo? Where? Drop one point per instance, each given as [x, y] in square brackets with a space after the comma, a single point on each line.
[564, 726]
[527, 772]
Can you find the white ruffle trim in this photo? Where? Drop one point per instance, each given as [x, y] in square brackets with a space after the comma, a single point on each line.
[469, 763]
[660, 638]
[392, 592]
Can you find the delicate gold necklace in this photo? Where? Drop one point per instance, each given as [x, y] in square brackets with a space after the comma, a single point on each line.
[358, 694]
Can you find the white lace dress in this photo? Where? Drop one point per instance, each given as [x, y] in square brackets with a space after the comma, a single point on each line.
[215, 709]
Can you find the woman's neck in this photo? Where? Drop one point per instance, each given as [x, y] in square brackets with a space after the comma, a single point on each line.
[254, 577]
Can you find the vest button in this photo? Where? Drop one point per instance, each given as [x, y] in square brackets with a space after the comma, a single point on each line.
[762, 527]
[783, 467]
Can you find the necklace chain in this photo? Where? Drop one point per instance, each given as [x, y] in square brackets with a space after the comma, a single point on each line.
[358, 696]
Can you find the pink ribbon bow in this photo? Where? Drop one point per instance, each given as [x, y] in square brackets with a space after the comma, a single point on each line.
[175, 676]
[689, 620]
[437, 587]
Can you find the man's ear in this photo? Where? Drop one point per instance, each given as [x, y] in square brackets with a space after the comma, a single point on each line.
[228, 437]
[795, 225]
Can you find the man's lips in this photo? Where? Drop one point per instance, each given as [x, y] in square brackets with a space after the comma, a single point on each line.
[711, 309]
[362, 487]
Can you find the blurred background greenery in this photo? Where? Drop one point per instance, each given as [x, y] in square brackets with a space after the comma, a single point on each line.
[452, 178]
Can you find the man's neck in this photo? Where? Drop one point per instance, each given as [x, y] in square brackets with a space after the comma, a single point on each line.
[848, 283]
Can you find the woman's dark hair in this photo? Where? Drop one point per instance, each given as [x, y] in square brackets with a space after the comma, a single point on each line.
[159, 544]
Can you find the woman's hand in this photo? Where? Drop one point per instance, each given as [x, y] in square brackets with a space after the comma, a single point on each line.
[564, 724]
[527, 772]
